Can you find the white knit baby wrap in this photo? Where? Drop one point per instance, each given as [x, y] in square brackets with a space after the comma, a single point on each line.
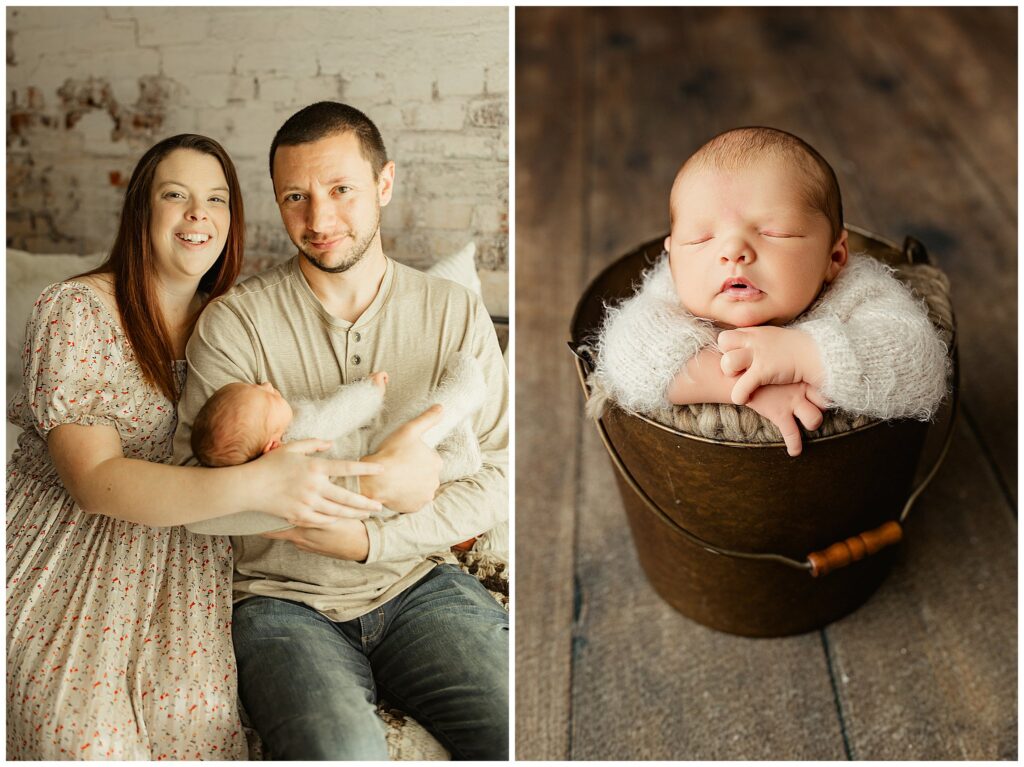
[461, 392]
[883, 357]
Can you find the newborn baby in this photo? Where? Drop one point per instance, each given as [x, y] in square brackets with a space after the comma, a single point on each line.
[759, 303]
[241, 421]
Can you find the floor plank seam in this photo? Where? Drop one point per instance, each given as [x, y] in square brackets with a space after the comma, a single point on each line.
[587, 118]
[586, 115]
[986, 452]
[830, 664]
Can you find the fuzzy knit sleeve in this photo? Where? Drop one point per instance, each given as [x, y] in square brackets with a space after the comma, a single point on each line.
[882, 356]
[645, 341]
[351, 407]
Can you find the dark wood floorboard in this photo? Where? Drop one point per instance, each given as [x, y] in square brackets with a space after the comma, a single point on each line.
[916, 110]
[650, 684]
[936, 194]
[549, 261]
[928, 667]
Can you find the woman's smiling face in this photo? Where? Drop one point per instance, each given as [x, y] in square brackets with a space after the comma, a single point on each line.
[190, 216]
[746, 248]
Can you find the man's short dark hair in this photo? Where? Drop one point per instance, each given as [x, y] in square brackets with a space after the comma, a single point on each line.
[329, 118]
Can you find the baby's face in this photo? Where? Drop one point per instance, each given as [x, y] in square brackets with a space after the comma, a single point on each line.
[275, 412]
[746, 249]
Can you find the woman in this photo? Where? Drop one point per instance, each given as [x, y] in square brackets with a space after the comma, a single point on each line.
[118, 618]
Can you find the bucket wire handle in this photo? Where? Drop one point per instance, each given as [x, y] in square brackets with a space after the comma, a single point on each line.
[818, 563]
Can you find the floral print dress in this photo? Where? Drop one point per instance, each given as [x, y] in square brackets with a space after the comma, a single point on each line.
[118, 634]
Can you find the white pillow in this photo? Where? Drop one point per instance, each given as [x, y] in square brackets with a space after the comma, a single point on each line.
[27, 275]
[459, 267]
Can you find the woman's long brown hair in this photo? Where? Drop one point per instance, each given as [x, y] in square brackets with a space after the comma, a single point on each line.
[131, 261]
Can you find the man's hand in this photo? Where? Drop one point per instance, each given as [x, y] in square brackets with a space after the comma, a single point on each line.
[768, 355]
[411, 469]
[344, 539]
[783, 404]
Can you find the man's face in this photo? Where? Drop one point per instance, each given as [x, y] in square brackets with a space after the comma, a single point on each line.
[745, 248]
[329, 200]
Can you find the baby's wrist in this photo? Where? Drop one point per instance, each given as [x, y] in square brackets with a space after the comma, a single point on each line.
[812, 371]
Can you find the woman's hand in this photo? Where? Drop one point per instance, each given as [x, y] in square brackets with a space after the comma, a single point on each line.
[343, 539]
[290, 484]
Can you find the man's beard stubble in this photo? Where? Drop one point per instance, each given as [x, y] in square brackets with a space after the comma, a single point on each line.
[355, 253]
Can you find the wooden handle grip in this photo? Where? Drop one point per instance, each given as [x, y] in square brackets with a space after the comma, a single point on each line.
[854, 549]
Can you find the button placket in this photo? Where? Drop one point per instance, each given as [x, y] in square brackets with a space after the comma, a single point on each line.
[354, 338]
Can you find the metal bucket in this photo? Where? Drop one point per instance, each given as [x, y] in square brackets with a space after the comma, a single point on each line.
[739, 536]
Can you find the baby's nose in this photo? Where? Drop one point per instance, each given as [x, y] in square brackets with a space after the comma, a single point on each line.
[738, 250]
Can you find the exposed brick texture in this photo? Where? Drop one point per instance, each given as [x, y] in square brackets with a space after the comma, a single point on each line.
[89, 89]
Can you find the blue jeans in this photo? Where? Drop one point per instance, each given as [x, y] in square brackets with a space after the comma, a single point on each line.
[438, 651]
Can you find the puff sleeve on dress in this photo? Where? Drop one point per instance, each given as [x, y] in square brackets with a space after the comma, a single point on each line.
[72, 363]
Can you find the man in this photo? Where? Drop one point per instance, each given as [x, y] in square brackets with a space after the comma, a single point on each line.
[328, 619]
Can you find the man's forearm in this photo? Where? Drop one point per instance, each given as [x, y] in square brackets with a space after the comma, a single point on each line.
[702, 380]
[461, 510]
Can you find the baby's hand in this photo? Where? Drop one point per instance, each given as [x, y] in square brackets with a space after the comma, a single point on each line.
[768, 355]
[782, 404]
[380, 380]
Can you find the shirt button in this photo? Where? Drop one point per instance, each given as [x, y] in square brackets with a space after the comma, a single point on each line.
[356, 359]
[357, 337]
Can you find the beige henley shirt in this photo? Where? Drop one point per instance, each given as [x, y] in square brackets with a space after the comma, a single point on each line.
[273, 328]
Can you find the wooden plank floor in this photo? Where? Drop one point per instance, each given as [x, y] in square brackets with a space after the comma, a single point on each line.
[916, 110]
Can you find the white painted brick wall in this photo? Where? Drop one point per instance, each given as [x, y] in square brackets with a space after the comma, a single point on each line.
[435, 80]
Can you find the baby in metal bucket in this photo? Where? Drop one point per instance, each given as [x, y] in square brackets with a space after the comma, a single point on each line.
[758, 301]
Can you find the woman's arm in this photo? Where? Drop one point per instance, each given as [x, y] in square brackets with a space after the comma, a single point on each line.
[283, 482]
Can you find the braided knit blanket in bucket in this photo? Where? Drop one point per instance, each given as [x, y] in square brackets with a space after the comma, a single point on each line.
[734, 423]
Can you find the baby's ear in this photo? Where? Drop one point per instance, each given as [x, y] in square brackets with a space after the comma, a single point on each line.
[272, 445]
[838, 257]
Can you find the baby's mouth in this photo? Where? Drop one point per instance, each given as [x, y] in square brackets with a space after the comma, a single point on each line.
[740, 287]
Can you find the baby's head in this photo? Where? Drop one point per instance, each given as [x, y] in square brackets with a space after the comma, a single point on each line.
[241, 421]
[757, 228]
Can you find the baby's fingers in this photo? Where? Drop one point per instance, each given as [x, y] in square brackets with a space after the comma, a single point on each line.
[736, 361]
[730, 339]
[808, 414]
[790, 434]
[745, 387]
[817, 398]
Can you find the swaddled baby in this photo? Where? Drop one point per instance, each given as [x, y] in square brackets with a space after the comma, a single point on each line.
[759, 303]
[241, 421]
